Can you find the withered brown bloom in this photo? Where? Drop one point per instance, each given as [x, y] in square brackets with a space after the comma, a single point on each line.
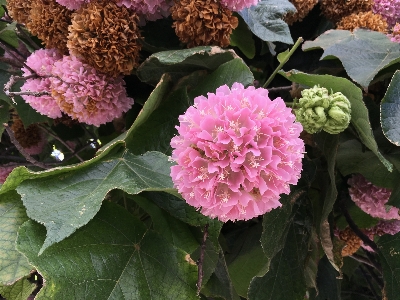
[49, 21]
[203, 22]
[353, 242]
[303, 8]
[19, 10]
[27, 137]
[367, 20]
[335, 10]
[106, 37]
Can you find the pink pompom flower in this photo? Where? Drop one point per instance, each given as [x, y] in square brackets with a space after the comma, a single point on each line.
[72, 4]
[389, 9]
[87, 95]
[395, 35]
[236, 152]
[149, 10]
[41, 61]
[238, 5]
[371, 199]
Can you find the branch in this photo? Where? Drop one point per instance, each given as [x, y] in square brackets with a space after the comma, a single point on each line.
[280, 88]
[201, 260]
[22, 150]
[27, 36]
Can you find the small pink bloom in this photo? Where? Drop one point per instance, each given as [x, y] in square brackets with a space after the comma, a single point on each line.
[389, 9]
[238, 5]
[149, 10]
[72, 4]
[236, 152]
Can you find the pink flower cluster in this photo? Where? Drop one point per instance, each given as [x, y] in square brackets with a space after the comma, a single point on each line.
[72, 4]
[236, 152]
[76, 89]
[395, 35]
[5, 170]
[371, 199]
[389, 9]
[238, 5]
[150, 10]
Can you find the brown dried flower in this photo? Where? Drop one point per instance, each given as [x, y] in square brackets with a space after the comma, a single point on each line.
[27, 137]
[367, 20]
[203, 22]
[19, 10]
[105, 36]
[353, 242]
[49, 21]
[335, 10]
[303, 8]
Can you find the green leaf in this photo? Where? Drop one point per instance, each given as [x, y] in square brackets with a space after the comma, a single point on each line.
[359, 112]
[219, 285]
[66, 201]
[20, 290]
[265, 20]
[179, 63]
[112, 257]
[328, 284]
[352, 159]
[242, 38]
[246, 259]
[13, 265]
[173, 230]
[390, 110]
[285, 278]
[389, 254]
[210, 261]
[282, 56]
[9, 36]
[228, 73]
[363, 53]
[27, 114]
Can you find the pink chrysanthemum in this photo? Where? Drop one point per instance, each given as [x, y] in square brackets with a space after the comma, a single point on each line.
[236, 152]
[5, 170]
[387, 227]
[389, 9]
[395, 35]
[86, 94]
[150, 10]
[72, 4]
[371, 199]
[238, 5]
[41, 61]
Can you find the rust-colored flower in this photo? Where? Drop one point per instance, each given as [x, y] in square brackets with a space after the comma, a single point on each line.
[203, 22]
[19, 10]
[31, 138]
[105, 36]
[303, 8]
[335, 10]
[367, 20]
[353, 242]
[49, 21]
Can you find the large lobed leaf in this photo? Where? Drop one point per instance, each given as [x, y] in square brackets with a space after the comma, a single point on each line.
[64, 202]
[359, 112]
[363, 53]
[390, 110]
[113, 257]
[265, 20]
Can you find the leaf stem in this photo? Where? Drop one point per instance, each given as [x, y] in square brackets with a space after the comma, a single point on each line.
[201, 260]
[284, 61]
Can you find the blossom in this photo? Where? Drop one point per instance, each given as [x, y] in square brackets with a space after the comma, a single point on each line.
[395, 35]
[387, 227]
[151, 10]
[31, 138]
[236, 152]
[72, 4]
[303, 7]
[367, 20]
[41, 61]
[371, 199]
[238, 5]
[86, 94]
[389, 9]
[5, 170]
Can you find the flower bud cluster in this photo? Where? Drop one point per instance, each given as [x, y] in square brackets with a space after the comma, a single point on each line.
[317, 110]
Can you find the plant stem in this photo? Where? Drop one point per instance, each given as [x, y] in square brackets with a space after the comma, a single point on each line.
[201, 260]
[295, 46]
[280, 88]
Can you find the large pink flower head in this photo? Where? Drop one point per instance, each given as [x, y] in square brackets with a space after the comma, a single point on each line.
[72, 4]
[41, 61]
[236, 152]
[371, 199]
[238, 5]
[150, 10]
[389, 9]
[87, 95]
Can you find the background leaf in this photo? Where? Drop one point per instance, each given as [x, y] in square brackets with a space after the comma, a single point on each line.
[362, 52]
[242, 38]
[20, 290]
[13, 265]
[66, 202]
[265, 20]
[359, 112]
[390, 110]
[113, 257]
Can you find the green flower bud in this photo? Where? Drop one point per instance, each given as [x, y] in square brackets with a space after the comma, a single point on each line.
[317, 110]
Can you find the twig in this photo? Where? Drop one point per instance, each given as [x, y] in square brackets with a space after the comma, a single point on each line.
[361, 259]
[280, 88]
[201, 260]
[61, 141]
[22, 150]
[371, 286]
[32, 43]
[9, 49]
[10, 62]
[284, 61]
